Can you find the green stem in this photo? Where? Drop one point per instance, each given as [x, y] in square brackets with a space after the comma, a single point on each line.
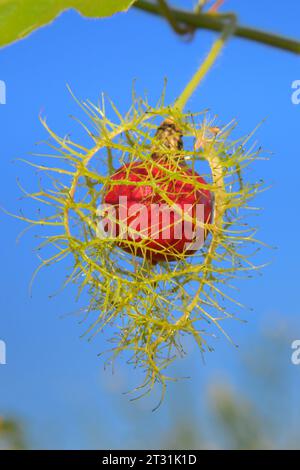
[166, 11]
[215, 22]
[206, 65]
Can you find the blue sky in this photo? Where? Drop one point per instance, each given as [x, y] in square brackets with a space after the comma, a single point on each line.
[53, 380]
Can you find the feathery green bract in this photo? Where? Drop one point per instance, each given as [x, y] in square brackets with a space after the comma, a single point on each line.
[148, 309]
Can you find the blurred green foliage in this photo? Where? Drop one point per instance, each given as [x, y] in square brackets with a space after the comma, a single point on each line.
[11, 435]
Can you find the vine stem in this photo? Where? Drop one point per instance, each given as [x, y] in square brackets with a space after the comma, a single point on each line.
[206, 65]
[215, 22]
[167, 13]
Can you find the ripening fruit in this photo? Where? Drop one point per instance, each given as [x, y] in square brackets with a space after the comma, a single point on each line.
[159, 233]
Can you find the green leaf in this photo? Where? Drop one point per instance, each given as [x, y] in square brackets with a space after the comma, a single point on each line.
[18, 18]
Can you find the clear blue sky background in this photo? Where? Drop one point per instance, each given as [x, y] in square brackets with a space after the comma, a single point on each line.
[53, 380]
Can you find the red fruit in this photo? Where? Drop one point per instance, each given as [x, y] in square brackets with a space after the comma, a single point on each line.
[157, 244]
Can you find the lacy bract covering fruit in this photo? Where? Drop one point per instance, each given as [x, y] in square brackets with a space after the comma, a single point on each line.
[145, 292]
